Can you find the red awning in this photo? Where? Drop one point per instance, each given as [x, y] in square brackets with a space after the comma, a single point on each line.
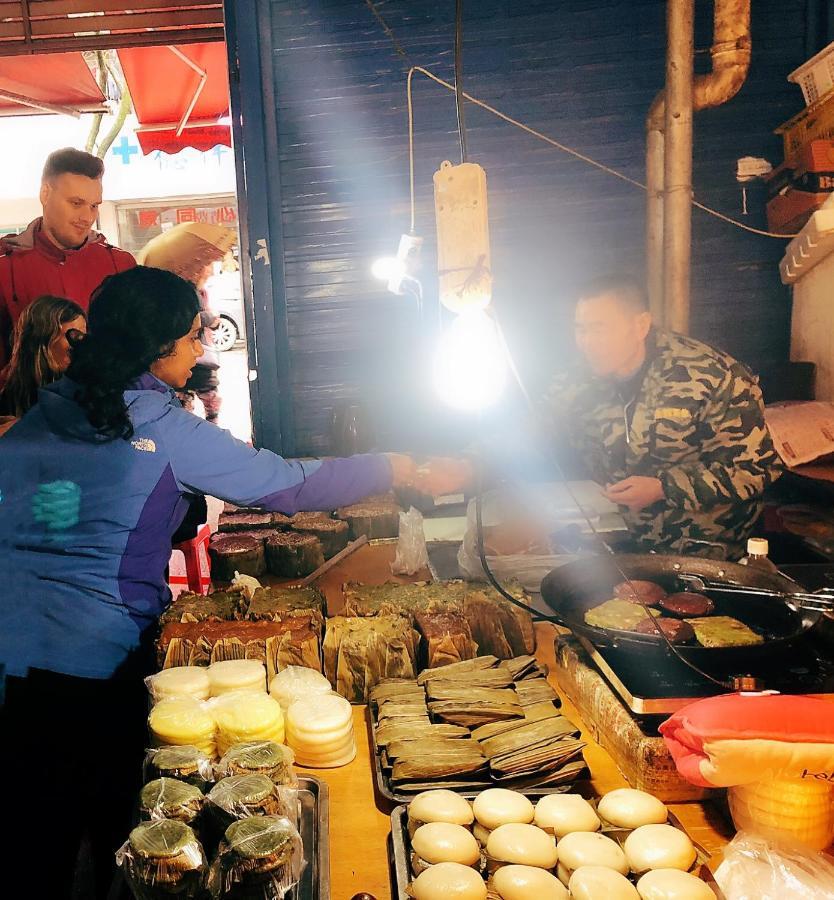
[180, 94]
[53, 83]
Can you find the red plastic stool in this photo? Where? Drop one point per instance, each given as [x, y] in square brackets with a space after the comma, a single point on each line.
[197, 576]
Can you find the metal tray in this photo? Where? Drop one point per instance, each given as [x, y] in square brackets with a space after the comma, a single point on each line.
[400, 868]
[389, 792]
[314, 826]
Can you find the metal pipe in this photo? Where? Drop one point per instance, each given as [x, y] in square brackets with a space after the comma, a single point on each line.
[730, 63]
[677, 167]
[654, 208]
[42, 105]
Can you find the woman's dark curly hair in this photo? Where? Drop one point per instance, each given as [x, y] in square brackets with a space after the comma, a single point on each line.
[135, 318]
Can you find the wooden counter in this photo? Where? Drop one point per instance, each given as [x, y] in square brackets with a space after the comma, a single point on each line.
[359, 821]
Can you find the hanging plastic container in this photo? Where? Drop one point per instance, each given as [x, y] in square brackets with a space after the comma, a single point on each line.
[463, 258]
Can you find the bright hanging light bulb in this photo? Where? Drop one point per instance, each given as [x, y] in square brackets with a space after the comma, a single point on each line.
[470, 365]
[387, 268]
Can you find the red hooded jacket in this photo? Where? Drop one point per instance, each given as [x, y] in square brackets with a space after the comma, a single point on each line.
[31, 266]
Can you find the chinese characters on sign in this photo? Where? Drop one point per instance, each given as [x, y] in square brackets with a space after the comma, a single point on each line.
[211, 215]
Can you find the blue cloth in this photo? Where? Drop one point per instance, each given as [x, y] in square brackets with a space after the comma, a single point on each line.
[86, 524]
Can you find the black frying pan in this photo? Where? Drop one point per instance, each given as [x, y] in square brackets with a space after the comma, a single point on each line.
[571, 590]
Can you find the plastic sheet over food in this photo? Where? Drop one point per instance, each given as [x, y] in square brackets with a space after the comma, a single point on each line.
[246, 716]
[800, 810]
[260, 858]
[183, 721]
[167, 798]
[411, 553]
[246, 584]
[757, 869]
[179, 681]
[525, 558]
[259, 758]
[185, 763]
[161, 859]
[239, 796]
[296, 683]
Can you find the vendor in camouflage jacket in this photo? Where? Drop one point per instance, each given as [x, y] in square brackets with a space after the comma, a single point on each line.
[673, 428]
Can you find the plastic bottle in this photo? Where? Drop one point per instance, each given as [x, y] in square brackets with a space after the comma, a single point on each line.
[757, 555]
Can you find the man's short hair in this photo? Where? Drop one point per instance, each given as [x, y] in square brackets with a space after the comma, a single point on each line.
[626, 288]
[70, 161]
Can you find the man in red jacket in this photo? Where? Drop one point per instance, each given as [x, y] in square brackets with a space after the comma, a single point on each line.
[59, 253]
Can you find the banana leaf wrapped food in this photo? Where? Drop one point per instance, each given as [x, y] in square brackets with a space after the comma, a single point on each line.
[244, 520]
[535, 690]
[235, 553]
[293, 555]
[397, 689]
[163, 858]
[408, 731]
[259, 858]
[375, 517]
[521, 667]
[455, 671]
[497, 626]
[427, 765]
[446, 635]
[190, 607]
[471, 713]
[359, 653]
[292, 641]
[332, 534]
[276, 604]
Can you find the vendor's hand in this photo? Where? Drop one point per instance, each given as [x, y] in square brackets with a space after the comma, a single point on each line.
[444, 475]
[403, 469]
[636, 492]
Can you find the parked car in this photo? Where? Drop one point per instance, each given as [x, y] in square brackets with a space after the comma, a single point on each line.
[225, 298]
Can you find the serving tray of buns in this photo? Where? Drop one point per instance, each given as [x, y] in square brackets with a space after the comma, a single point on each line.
[503, 845]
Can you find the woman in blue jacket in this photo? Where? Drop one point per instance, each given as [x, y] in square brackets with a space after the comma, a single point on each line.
[93, 481]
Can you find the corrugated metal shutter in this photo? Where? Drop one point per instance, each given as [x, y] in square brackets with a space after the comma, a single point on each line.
[582, 71]
[51, 26]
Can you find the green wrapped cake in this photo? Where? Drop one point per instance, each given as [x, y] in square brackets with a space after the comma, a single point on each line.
[239, 796]
[259, 758]
[184, 763]
[169, 798]
[261, 857]
[163, 859]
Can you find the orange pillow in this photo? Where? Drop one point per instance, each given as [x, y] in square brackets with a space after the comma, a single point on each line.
[742, 738]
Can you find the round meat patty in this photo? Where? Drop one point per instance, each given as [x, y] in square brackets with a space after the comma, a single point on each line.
[648, 591]
[688, 603]
[676, 630]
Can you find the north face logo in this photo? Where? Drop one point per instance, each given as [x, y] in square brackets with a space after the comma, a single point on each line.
[144, 444]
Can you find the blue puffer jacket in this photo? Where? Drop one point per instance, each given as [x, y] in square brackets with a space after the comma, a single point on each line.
[86, 524]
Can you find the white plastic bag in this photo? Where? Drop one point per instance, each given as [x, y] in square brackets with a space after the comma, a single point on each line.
[757, 869]
[246, 584]
[528, 569]
[411, 545]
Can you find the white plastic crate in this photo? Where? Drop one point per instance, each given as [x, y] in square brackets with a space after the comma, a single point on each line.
[815, 77]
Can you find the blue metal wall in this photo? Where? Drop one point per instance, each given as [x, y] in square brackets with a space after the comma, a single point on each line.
[334, 183]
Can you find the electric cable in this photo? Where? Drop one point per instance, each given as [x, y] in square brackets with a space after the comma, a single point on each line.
[410, 105]
[564, 148]
[459, 95]
[398, 47]
[560, 473]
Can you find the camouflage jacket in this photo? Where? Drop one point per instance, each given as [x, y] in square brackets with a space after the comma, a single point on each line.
[696, 422]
